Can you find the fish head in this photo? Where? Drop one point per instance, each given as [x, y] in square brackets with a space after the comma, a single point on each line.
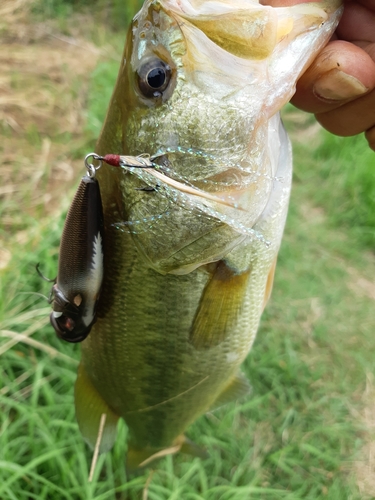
[199, 85]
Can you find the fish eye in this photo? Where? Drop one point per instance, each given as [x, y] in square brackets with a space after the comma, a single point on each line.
[154, 77]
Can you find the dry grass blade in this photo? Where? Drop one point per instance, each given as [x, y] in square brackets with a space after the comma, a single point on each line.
[14, 22]
[147, 486]
[29, 331]
[20, 337]
[10, 7]
[26, 391]
[17, 381]
[38, 101]
[26, 316]
[5, 256]
[97, 446]
[160, 454]
[365, 469]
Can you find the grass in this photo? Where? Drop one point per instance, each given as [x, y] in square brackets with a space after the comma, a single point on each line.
[306, 432]
[115, 13]
[346, 181]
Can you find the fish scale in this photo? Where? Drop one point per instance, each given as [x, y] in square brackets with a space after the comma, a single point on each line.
[187, 277]
[156, 376]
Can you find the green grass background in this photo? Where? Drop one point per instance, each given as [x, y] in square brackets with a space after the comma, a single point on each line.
[302, 432]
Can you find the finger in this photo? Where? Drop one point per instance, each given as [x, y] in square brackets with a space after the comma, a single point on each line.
[357, 22]
[341, 72]
[351, 118]
[370, 136]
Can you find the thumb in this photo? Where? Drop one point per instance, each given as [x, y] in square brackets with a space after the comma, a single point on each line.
[340, 73]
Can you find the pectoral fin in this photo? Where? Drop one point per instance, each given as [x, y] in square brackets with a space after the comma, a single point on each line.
[90, 406]
[238, 387]
[219, 308]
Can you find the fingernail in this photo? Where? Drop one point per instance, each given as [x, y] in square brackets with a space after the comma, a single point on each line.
[338, 86]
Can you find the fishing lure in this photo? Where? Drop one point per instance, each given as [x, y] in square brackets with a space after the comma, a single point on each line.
[80, 271]
[76, 289]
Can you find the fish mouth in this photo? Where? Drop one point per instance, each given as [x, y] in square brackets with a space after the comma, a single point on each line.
[159, 167]
[180, 222]
[223, 195]
[160, 172]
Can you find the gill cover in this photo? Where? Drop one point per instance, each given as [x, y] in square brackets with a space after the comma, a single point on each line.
[80, 273]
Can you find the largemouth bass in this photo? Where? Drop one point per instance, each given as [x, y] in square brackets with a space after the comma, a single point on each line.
[190, 247]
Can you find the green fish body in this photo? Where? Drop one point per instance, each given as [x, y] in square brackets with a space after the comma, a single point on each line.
[187, 274]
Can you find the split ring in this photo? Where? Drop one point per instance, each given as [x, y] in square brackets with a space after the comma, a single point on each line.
[90, 167]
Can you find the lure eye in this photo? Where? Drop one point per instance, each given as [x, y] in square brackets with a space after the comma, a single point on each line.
[66, 324]
[68, 329]
[153, 78]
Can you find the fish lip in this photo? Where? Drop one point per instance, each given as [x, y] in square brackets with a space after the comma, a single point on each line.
[225, 212]
[159, 167]
[187, 188]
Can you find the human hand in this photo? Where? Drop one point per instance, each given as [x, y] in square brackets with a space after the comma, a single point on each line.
[339, 86]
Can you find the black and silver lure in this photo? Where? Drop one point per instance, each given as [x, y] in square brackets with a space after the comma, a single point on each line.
[76, 290]
[80, 270]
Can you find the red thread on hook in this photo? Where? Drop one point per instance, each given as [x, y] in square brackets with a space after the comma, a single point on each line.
[113, 160]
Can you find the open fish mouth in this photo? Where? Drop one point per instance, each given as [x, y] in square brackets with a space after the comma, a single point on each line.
[160, 173]
[180, 223]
